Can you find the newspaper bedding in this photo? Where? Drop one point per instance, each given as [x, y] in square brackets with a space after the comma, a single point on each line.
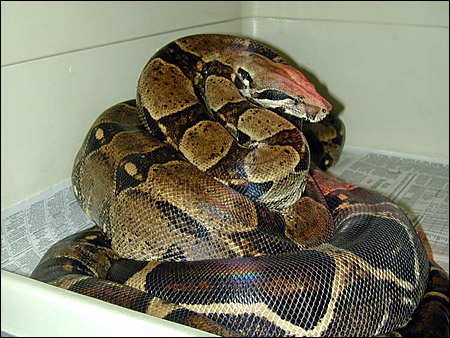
[419, 185]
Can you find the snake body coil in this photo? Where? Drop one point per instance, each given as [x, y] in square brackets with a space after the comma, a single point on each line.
[209, 214]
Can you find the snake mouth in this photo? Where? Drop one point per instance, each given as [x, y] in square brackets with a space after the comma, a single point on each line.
[313, 113]
[307, 112]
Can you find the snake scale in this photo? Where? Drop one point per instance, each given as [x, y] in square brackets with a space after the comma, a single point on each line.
[209, 211]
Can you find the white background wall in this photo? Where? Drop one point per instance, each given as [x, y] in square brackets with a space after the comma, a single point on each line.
[384, 66]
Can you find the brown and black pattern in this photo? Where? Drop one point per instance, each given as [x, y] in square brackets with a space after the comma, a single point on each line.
[209, 215]
[196, 123]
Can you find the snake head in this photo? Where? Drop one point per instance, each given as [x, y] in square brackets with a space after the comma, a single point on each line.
[280, 86]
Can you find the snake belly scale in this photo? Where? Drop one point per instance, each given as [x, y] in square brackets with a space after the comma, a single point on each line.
[209, 213]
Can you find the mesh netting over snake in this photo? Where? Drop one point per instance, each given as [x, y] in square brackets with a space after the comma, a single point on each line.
[209, 213]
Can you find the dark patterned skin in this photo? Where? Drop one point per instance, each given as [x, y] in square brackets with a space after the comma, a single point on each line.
[210, 214]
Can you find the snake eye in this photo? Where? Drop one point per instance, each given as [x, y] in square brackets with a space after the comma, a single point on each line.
[244, 75]
[204, 71]
[298, 100]
[243, 80]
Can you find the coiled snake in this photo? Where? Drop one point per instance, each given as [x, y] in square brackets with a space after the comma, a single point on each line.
[209, 214]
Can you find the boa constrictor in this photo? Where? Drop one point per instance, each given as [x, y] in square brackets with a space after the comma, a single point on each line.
[209, 214]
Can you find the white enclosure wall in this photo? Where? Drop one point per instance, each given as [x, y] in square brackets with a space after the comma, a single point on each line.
[383, 65]
[63, 63]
